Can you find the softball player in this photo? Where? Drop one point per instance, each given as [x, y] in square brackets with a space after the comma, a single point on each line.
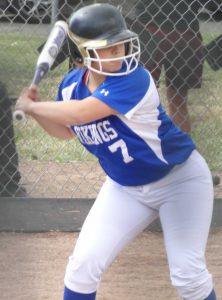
[111, 104]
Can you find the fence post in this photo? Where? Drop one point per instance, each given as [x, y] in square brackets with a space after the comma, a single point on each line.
[55, 10]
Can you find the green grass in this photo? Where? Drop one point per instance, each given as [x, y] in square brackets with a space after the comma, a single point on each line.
[34, 143]
[18, 57]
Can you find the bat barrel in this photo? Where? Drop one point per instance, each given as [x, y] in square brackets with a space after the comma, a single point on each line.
[40, 72]
[47, 57]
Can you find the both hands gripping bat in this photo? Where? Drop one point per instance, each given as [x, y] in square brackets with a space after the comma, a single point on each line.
[47, 57]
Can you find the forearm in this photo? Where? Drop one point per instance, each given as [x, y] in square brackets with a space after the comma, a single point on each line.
[64, 113]
[60, 113]
[54, 129]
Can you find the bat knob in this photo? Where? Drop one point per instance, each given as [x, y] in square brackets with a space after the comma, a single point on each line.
[18, 115]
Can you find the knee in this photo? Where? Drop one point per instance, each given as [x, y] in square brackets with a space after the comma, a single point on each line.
[194, 285]
[83, 272]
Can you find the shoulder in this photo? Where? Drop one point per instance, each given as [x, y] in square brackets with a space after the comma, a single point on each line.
[139, 78]
[123, 93]
[139, 74]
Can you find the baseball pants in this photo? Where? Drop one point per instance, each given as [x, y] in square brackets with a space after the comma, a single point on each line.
[183, 200]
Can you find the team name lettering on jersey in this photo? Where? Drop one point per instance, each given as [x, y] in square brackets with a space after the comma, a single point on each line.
[95, 134]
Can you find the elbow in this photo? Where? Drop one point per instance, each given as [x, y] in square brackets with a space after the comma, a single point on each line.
[62, 134]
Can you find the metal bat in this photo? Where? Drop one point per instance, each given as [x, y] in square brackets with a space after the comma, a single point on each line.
[47, 57]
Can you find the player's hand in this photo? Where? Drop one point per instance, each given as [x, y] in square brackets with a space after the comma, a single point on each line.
[26, 99]
[33, 93]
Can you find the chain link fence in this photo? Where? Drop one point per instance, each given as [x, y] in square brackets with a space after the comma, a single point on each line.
[182, 47]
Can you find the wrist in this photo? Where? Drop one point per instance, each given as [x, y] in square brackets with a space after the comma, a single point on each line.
[31, 108]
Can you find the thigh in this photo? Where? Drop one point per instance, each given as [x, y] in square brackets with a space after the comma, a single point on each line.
[116, 218]
[186, 216]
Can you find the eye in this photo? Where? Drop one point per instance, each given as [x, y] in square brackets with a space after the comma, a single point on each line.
[127, 48]
[91, 54]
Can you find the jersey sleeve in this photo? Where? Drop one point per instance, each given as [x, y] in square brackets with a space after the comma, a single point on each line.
[124, 93]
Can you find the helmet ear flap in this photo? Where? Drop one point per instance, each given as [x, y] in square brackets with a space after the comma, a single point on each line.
[75, 53]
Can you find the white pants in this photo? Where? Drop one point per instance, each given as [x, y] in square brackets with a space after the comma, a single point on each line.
[184, 202]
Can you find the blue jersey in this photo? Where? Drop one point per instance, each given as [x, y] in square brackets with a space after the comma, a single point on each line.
[140, 144]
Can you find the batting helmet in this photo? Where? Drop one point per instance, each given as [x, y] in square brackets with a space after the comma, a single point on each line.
[99, 26]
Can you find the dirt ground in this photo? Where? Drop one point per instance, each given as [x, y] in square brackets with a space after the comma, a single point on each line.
[32, 266]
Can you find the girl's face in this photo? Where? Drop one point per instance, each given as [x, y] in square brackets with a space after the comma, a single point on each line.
[111, 52]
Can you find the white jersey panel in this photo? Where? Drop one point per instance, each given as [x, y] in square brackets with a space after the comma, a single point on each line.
[150, 99]
[146, 112]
